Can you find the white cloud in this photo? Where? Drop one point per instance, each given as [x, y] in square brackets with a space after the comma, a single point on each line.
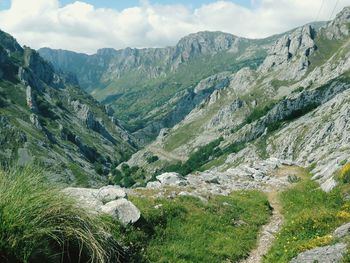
[82, 27]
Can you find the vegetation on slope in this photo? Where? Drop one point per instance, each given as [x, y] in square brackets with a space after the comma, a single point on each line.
[39, 224]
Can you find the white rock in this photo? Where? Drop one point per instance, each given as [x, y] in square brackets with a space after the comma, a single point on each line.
[85, 197]
[154, 184]
[110, 193]
[171, 179]
[342, 231]
[329, 185]
[123, 210]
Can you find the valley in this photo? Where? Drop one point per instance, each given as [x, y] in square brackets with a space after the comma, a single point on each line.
[217, 149]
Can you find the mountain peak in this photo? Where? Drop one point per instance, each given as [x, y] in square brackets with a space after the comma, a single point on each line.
[344, 15]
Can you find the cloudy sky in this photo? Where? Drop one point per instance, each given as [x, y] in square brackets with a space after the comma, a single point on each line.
[88, 25]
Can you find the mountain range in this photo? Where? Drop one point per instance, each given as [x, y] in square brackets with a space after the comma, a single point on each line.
[234, 149]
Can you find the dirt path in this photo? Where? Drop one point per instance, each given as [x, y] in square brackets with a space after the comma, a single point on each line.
[268, 231]
[166, 155]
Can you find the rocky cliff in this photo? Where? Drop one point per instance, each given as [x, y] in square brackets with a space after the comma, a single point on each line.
[46, 119]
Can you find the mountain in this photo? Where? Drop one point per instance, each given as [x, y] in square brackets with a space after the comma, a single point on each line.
[292, 107]
[46, 119]
[148, 88]
[251, 162]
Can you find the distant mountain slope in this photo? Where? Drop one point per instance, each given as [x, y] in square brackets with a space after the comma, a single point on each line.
[145, 86]
[45, 118]
[294, 106]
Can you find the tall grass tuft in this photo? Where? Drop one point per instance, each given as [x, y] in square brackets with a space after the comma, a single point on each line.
[40, 224]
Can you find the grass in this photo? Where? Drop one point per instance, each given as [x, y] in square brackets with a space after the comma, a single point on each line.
[311, 215]
[39, 224]
[185, 229]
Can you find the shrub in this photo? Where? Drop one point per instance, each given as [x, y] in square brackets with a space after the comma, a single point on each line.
[128, 176]
[197, 159]
[344, 174]
[40, 224]
[258, 112]
[152, 159]
[45, 109]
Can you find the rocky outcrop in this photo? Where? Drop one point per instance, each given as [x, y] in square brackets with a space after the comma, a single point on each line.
[110, 200]
[342, 231]
[291, 53]
[327, 254]
[168, 179]
[85, 114]
[339, 27]
[256, 175]
[31, 99]
[34, 119]
[318, 138]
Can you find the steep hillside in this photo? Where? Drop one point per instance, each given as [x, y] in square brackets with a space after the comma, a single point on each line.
[148, 87]
[293, 107]
[48, 120]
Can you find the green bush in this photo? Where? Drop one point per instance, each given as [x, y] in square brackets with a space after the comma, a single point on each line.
[152, 159]
[197, 159]
[40, 224]
[128, 176]
[259, 112]
[45, 109]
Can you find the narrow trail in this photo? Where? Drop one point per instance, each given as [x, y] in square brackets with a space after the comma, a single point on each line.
[166, 155]
[268, 231]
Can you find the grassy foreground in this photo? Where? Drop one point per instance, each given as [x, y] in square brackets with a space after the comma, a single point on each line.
[185, 229]
[39, 224]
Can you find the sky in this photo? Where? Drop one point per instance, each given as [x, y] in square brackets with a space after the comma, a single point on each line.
[88, 25]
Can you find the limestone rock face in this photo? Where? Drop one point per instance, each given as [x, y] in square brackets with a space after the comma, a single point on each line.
[327, 254]
[31, 103]
[342, 231]
[109, 200]
[338, 28]
[85, 114]
[290, 53]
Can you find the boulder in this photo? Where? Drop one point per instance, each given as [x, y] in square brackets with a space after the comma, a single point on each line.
[171, 179]
[327, 254]
[110, 193]
[85, 197]
[123, 210]
[109, 200]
